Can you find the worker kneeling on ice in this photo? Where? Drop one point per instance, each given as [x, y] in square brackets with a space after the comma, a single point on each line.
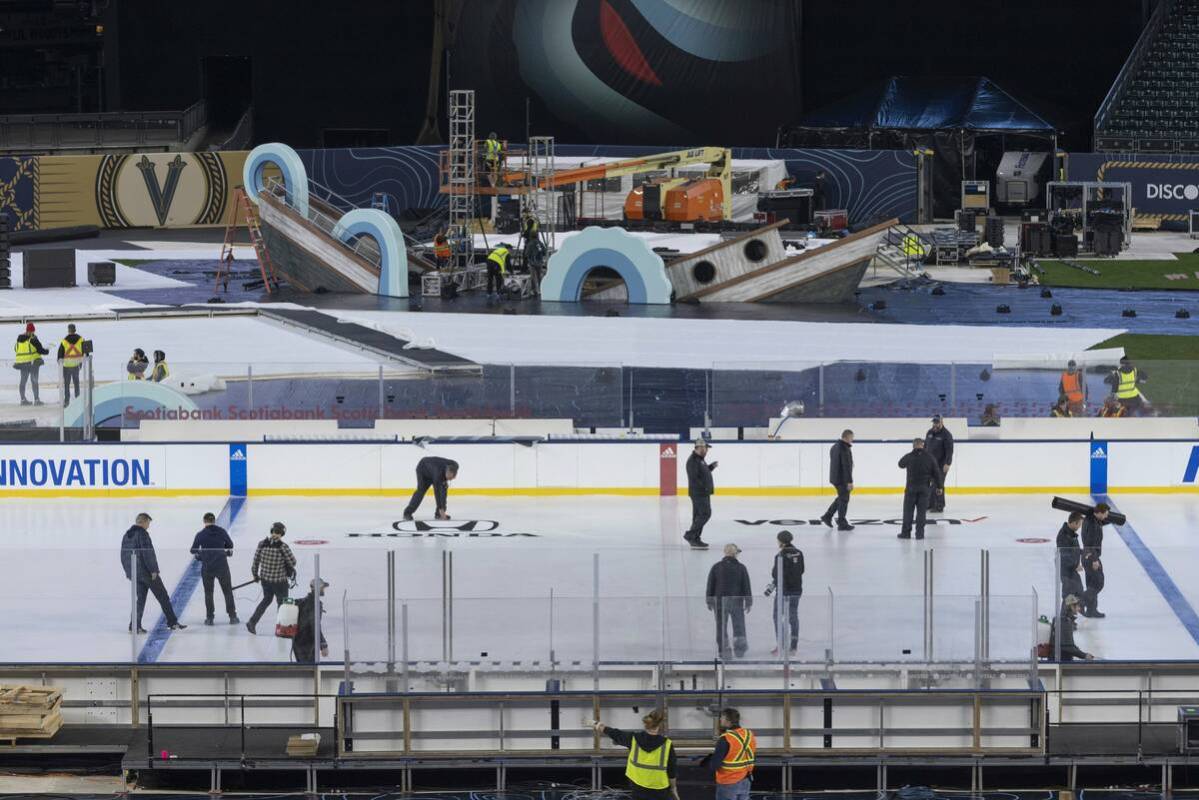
[436, 472]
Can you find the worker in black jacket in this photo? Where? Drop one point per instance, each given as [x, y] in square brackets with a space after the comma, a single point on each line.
[1092, 566]
[924, 479]
[303, 644]
[790, 587]
[212, 547]
[939, 444]
[730, 597]
[1062, 635]
[436, 472]
[652, 764]
[840, 475]
[1070, 555]
[137, 546]
[699, 488]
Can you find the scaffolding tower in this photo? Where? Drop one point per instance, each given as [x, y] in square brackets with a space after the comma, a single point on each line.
[462, 178]
[542, 200]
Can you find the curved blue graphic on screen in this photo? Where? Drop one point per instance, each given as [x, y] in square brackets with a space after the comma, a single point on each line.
[639, 267]
[382, 227]
[135, 398]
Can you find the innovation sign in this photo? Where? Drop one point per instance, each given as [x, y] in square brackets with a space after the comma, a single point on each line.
[74, 472]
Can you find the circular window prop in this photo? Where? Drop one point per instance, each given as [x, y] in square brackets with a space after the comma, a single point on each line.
[704, 272]
[755, 250]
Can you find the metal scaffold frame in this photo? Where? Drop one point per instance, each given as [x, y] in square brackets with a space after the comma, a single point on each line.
[462, 178]
[542, 200]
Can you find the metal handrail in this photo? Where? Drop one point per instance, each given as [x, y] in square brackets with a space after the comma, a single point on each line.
[364, 247]
[111, 128]
[1133, 62]
[242, 133]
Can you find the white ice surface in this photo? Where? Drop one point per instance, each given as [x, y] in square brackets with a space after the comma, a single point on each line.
[502, 585]
[723, 343]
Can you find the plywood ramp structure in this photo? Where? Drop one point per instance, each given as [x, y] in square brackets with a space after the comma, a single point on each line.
[829, 274]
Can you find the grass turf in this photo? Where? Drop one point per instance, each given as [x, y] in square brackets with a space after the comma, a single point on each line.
[1115, 274]
[1171, 364]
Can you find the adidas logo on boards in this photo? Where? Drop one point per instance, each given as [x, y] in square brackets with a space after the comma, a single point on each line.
[238, 455]
[1098, 452]
[668, 452]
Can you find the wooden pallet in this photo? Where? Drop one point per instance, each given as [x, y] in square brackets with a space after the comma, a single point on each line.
[21, 699]
[47, 727]
[29, 712]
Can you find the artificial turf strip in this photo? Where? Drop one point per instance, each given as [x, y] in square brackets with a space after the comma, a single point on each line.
[1114, 274]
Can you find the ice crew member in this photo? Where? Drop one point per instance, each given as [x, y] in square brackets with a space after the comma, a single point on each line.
[652, 763]
[1070, 387]
[436, 472]
[732, 760]
[441, 249]
[492, 150]
[1112, 408]
[137, 543]
[1092, 566]
[1064, 625]
[303, 644]
[136, 367]
[840, 475]
[497, 268]
[212, 547]
[27, 357]
[924, 479]
[1125, 383]
[789, 587]
[160, 371]
[939, 444]
[699, 489]
[274, 567]
[530, 232]
[1070, 554]
[730, 597]
[70, 358]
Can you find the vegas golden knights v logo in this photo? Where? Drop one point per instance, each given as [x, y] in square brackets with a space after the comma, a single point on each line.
[157, 190]
[161, 197]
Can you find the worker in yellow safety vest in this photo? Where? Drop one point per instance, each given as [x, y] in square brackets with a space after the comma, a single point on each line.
[1125, 383]
[497, 268]
[732, 761]
[911, 246]
[1071, 387]
[160, 371]
[70, 358]
[27, 358]
[651, 764]
[492, 153]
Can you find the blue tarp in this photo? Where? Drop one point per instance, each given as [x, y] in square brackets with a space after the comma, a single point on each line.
[930, 104]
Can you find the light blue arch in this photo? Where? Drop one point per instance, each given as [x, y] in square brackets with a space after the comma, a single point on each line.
[141, 397]
[382, 227]
[295, 177]
[639, 267]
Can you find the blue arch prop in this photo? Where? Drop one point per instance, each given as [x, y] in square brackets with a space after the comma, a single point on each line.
[295, 177]
[393, 267]
[112, 399]
[382, 227]
[639, 267]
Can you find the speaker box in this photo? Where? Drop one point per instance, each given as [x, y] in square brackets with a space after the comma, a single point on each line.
[1065, 245]
[101, 273]
[994, 231]
[52, 268]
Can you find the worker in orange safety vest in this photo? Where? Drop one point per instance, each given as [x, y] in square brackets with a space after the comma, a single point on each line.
[1072, 387]
[732, 760]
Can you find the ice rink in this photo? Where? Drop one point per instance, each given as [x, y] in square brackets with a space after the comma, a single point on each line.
[523, 571]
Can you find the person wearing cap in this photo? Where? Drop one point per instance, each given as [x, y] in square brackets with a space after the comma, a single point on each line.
[70, 358]
[1061, 637]
[699, 488]
[303, 644]
[1072, 389]
[27, 358]
[1126, 382]
[136, 546]
[923, 475]
[274, 566]
[789, 587]
[840, 475]
[730, 597]
[938, 443]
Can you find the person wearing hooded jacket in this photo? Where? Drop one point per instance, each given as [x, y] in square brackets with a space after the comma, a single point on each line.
[652, 763]
[27, 359]
[790, 586]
